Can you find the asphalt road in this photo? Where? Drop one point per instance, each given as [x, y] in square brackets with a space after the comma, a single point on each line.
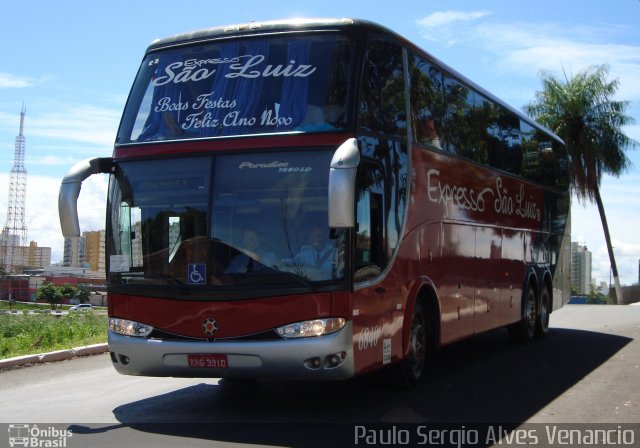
[586, 371]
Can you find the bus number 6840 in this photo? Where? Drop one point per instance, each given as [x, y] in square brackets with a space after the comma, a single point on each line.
[369, 337]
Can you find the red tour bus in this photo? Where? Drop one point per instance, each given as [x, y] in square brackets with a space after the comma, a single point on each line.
[318, 199]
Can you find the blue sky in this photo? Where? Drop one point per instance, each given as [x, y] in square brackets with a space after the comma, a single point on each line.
[72, 64]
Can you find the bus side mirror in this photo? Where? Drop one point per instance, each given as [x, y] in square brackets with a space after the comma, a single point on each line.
[342, 185]
[70, 190]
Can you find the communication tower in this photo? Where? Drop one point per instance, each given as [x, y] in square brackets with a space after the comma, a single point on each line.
[14, 233]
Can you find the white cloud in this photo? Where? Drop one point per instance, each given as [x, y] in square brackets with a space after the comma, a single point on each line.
[443, 26]
[77, 123]
[91, 128]
[41, 211]
[617, 195]
[525, 48]
[446, 18]
[51, 160]
[626, 255]
[8, 81]
[530, 47]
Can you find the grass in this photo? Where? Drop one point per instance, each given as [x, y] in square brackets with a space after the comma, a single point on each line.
[30, 334]
[4, 305]
[30, 306]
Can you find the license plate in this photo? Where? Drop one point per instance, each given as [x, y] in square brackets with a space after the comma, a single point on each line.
[208, 361]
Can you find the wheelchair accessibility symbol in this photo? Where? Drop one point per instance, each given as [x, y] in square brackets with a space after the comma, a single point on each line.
[197, 274]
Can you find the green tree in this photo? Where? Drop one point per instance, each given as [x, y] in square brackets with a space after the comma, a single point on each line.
[583, 112]
[67, 291]
[50, 294]
[594, 296]
[83, 294]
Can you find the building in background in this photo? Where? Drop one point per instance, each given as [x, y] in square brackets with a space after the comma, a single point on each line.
[28, 257]
[36, 257]
[580, 269]
[71, 254]
[94, 254]
[86, 251]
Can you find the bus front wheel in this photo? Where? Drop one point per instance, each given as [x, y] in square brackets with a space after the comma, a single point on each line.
[411, 368]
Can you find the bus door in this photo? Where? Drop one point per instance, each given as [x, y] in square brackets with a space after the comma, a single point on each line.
[372, 302]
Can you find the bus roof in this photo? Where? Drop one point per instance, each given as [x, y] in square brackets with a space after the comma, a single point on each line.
[319, 24]
[273, 26]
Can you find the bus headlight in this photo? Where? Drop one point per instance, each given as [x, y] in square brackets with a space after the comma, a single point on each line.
[129, 328]
[310, 328]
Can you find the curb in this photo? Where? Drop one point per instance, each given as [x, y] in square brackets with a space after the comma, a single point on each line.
[59, 355]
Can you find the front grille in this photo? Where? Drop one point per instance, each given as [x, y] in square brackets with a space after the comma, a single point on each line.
[268, 335]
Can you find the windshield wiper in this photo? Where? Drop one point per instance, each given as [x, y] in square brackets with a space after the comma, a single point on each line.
[300, 279]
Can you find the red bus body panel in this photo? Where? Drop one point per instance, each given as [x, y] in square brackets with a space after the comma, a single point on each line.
[236, 318]
[469, 235]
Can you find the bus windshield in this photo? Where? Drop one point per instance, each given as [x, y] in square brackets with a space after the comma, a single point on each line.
[240, 87]
[266, 226]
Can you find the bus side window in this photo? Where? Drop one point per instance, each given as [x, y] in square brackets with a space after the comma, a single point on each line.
[427, 103]
[504, 140]
[382, 102]
[461, 127]
[370, 253]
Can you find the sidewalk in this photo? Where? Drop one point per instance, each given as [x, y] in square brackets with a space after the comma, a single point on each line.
[59, 355]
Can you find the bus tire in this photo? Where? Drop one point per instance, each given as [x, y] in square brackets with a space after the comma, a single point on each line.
[542, 321]
[524, 330]
[411, 369]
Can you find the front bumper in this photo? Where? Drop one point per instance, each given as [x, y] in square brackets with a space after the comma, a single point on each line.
[283, 359]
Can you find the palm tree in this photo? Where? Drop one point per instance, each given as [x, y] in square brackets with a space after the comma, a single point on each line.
[582, 111]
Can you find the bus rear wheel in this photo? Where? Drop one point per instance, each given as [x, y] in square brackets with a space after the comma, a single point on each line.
[542, 322]
[524, 330]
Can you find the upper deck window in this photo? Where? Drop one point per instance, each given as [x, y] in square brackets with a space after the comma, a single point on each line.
[240, 87]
